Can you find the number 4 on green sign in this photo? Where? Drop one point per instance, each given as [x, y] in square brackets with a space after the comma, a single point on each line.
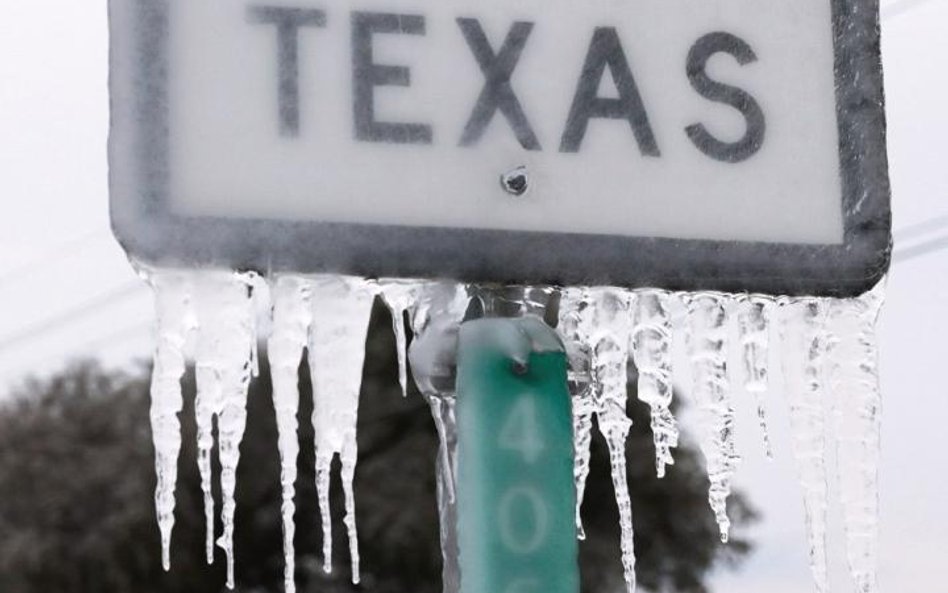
[516, 496]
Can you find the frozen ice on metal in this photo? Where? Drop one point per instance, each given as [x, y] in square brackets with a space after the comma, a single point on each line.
[175, 321]
[292, 317]
[753, 324]
[854, 377]
[435, 317]
[224, 361]
[597, 328]
[651, 352]
[399, 296]
[573, 327]
[805, 346]
[341, 307]
[707, 321]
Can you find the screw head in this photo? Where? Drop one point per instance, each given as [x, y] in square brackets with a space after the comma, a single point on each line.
[515, 182]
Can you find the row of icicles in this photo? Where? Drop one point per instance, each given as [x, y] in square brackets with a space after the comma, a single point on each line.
[829, 348]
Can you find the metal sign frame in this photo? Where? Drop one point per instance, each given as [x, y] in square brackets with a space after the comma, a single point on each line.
[150, 232]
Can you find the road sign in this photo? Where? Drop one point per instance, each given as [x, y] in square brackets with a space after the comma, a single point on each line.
[516, 496]
[720, 144]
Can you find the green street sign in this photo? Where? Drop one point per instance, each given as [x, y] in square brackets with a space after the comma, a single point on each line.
[516, 495]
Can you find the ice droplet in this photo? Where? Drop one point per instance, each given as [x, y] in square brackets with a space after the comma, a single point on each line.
[707, 320]
[651, 352]
[853, 360]
[224, 360]
[292, 316]
[341, 307]
[805, 345]
[175, 321]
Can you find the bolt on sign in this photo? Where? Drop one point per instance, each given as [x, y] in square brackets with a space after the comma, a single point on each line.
[683, 144]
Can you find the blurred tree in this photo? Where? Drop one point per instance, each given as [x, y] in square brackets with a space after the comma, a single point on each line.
[77, 479]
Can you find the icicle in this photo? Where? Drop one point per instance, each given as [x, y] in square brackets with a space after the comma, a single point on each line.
[858, 404]
[341, 308]
[399, 296]
[175, 322]
[707, 317]
[651, 351]
[573, 328]
[226, 342]
[805, 345]
[435, 318]
[611, 331]
[292, 315]
[753, 324]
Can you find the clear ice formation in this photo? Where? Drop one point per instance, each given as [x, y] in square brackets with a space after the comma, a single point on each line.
[753, 324]
[176, 321]
[573, 328]
[340, 325]
[224, 361]
[602, 317]
[651, 352]
[829, 363]
[805, 341]
[292, 318]
[711, 393]
[857, 415]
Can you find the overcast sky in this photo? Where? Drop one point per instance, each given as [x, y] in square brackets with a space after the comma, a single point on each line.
[67, 289]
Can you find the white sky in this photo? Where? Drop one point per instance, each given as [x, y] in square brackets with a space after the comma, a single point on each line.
[67, 290]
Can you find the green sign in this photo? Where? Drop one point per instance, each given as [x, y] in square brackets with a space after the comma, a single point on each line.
[516, 495]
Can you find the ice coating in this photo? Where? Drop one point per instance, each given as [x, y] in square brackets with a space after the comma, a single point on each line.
[707, 344]
[224, 361]
[651, 352]
[341, 307]
[292, 316]
[805, 344]
[753, 324]
[175, 321]
[854, 378]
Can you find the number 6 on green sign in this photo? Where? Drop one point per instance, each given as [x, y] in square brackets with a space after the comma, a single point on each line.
[516, 496]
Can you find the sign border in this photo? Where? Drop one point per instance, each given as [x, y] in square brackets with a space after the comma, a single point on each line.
[150, 233]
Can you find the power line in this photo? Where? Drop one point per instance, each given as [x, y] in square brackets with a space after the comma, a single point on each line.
[923, 248]
[72, 315]
[922, 228]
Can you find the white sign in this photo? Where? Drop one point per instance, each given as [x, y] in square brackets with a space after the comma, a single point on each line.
[708, 120]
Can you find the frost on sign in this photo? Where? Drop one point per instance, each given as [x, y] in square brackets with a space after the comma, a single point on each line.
[731, 145]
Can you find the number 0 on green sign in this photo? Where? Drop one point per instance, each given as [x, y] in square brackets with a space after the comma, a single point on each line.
[516, 494]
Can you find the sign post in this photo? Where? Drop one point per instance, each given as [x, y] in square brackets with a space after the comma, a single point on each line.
[515, 489]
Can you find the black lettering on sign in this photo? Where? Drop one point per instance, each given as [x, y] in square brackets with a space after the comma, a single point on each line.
[288, 22]
[605, 50]
[497, 93]
[701, 52]
[366, 75]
